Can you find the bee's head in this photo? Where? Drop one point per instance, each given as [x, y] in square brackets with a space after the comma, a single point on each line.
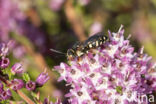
[70, 54]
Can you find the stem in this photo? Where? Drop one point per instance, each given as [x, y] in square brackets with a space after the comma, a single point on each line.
[24, 97]
[74, 20]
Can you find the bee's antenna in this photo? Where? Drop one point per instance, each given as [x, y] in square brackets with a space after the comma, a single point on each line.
[53, 50]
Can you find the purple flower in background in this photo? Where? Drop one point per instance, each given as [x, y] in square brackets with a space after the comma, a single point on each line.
[10, 15]
[4, 63]
[95, 28]
[12, 19]
[36, 35]
[42, 78]
[30, 85]
[55, 5]
[1, 87]
[19, 52]
[17, 84]
[17, 68]
[6, 94]
[111, 74]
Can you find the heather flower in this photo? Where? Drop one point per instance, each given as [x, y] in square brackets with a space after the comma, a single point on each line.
[10, 17]
[17, 68]
[17, 84]
[42, 79]
[112, 73]
[6, 94]
[4, 63]
[30, 85]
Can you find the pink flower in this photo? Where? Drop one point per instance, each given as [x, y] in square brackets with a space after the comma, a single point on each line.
[112, 74]
[30, 85]
[42, 79]
[95, 28]
[4, 63]
[17, 68]
[6, 94]
[17, 84]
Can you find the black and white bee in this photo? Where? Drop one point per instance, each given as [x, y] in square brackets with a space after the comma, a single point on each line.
[81, 48]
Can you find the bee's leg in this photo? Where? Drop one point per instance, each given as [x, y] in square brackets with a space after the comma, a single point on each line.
[79, 58]
[70, 58]
[94, 51]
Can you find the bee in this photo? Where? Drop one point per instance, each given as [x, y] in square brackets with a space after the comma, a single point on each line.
[81, 48]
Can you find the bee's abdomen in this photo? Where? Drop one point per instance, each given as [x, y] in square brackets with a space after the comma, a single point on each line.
[95, 41]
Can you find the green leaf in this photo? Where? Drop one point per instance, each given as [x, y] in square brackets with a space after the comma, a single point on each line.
[8, 72]
[10, 75]
[26, 77]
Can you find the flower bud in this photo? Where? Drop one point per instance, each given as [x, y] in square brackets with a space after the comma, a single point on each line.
[3, 50]
[17, 84]
[17, 68]
[42, 78]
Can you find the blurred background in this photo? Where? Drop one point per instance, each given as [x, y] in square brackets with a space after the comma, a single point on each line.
[35, 26]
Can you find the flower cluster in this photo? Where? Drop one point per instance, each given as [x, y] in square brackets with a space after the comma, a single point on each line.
[14, 20]
[110, 74]
[8, 80]
[11, 16]
[4, 61]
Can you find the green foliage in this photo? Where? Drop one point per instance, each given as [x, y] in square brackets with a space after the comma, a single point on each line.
[26, 77]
